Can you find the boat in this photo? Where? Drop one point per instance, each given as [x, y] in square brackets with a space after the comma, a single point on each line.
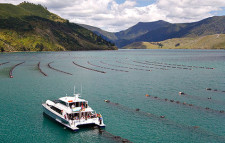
[72, 112]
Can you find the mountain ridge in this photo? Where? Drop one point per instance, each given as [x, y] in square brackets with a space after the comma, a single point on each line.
[31, 27]
[159, 32]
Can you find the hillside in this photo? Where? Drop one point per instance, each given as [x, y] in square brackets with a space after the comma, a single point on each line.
[30, 27]
[209, 26]
[161, 30]
[216, 41]
[141, 28]
[106, 35]
[129, 35]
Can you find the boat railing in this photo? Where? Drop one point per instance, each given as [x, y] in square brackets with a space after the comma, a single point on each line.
[89, 120]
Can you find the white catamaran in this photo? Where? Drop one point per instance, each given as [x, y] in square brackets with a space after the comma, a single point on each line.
[72, 112]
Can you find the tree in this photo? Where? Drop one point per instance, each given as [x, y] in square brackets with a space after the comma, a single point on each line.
[160, 45]
[39, 47]
[178, 44]
[2, 49]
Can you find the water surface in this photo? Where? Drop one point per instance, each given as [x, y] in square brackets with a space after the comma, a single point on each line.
[22, 119]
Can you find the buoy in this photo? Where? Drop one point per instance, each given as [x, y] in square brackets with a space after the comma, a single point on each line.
[209, 98]
[147, 95]
[155, 97]
[190, 104]
[171, 100]
[124, 140]
[196, 127]
[184, 103]
[137, 109]
[178, 102]
[166, 99]
[221, 111]
[11, 76]
[215, 89]
[107, 101]
[162, 116]
[207, 108]
[208, 89]
[181, 93]
[117, 137]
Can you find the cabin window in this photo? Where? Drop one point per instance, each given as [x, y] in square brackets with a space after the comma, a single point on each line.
[56, 101]
[77, 104]
[56, 109]
[86, 105]
[63, 103]
[71, 104]
[74, 116]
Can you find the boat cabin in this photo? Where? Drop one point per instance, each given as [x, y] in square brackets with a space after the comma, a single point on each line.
[74, 108]
[73, 102]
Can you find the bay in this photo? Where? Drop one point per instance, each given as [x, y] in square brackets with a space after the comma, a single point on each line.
[172, 71]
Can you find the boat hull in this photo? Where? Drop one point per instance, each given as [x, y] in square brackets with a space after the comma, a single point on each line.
[73, 125]
[57, 118]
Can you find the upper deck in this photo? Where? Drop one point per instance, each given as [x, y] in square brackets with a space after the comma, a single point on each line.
[72, 104]
[72, 99]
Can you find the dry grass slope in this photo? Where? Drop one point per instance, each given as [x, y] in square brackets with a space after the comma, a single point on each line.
[216, 41]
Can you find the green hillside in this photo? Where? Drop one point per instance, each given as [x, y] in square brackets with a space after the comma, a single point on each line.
[30, 27]
[39, 10]
[216, 41]
[9, 10]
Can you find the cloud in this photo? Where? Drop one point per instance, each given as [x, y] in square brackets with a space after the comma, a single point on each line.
[189, 10]
[111, 16]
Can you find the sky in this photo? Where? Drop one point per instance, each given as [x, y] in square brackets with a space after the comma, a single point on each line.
[117, 15]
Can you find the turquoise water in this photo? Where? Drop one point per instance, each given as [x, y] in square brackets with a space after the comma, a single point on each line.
[22, 119]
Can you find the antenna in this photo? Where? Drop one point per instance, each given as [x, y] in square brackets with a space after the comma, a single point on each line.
[81, 89]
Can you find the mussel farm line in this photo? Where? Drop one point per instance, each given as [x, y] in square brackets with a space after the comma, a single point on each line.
[215, 90]
[167, 122]
[58, 69]
[106, 134]
[139, 65]
[120, 106]
[88, 68]
[180, 65]
[11, 70]
[208, 99]
[186, 104]
[89, 58]
[124, 67]
[41, 70]
[4, 63]
[106, 67]
[162, 65]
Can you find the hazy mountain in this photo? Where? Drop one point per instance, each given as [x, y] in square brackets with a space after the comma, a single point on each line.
[31, 27]
[141, 28]
[161, 30]
[110, 36]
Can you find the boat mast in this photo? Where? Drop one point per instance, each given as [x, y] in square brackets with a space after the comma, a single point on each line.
[81, 89]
